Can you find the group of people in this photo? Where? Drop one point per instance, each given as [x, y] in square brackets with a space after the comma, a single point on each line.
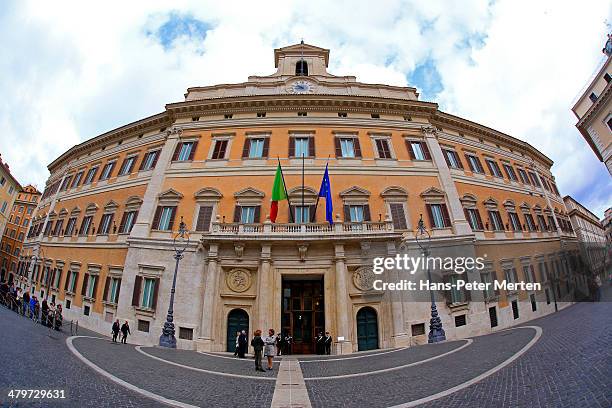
[282, 344]
[124, 328]
[323, 343]
[26, 304]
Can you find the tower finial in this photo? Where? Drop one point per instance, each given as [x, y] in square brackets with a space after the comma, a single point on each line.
[302, 42]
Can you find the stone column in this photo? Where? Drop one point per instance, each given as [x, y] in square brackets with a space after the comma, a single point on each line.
[343, 314]
[400, 337]
[264, 294]
[462, 227]
[205, 341]
[147, 208]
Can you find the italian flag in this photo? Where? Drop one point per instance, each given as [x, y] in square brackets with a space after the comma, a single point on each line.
[278, 193]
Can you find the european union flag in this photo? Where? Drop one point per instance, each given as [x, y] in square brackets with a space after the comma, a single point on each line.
[325, 191]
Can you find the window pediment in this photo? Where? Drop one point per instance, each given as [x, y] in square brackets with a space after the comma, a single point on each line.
[525, 207]
[469, 200]
[432, 193]
[133, 203]
[91, 208]
[394, 192]
[111, 206]
[537, 209]
[75, 211]
[509, 205]
[170, 194]
[355, 192]
[249, 193]
[208, 193]
[490, 203]
[310, 195]
[63, 212]
[52, 214]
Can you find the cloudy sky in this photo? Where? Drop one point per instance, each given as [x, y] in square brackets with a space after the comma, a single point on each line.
[70, 71]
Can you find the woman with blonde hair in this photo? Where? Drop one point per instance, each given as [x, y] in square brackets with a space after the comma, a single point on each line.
[270, 346]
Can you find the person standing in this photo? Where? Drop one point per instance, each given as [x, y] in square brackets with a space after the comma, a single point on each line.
[125, 330]
[26, 303]
[320, 345]
[45, 312]
[288, 340]
[236, 346]
[269, 351]
[242, 344]
[258, 344]
[279, 344]
[115, 330]
[327, 340]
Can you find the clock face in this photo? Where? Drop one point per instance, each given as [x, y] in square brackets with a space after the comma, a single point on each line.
[301, 87]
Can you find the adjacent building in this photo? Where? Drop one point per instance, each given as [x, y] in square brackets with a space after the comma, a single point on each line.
[607, 224]
[102, 238]
[9, 187]
[594, 110]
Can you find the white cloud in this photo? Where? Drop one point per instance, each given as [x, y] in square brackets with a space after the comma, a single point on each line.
[71, 72]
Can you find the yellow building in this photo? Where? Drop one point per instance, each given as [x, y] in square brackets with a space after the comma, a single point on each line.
[106, 217]
[9, 187]
[594, 110]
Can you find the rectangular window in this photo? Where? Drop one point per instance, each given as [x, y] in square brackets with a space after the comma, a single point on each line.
[534, 179]
[514, 221]
[58, 227]
[70, 226]
[456, 295]
[418, 329]
[186, 148]
[66, 183]
[523, 176]
[551, 223]
[185, 333]
[128, 165]
[593, 97]
[127, 222]
[3, 208]
[460, 320]
[496, 221]
[105, 224]
[261, 114]
[510, 172]
[73, 281]
[113, 294]
[150, 160]
[494, 168]
[302, 214]
[143, 325]
[85, 225]
[510, 274]
[77, 179]
[438, 216]
[164, 218]
[204, 217]
[493, 316]
[418, 150]
[342, 114]
[473, 217]
[542, 223]
[383, 148]
[148, 292]
[529, 222]
[474, 163]
[489, 292]
[247, 214]
[398, 216]
[107, 171]
[220, 149]
[91, 286]
[347, 147]
[356, 213]
[452, 159]
[302, 146]
[256, 147]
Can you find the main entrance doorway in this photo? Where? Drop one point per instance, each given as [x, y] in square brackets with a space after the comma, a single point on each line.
[303, 312]
[367, 329]
[237, 320]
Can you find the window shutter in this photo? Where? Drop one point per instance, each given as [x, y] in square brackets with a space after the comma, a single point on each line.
[447, 220]
[480, 226]
[430, 215]
[118, 289]
[445, 153]
[136, 293]
[95, 288]
[467, 216]
[132, 164]
[459, 162]
[67, 281]
[257, 215]
[106, 286]
[311, 146]
[467, 158]
[172, 215]
[490, 166]
[266, 147]
[237, 211]
[479, 164]
[193, 150]
[311, 213]
[291, 146]
[177, 151]
[143, 161]
[100, 224]
[338, 148]
[366, 213]
[347, 213]
[134, 222]
[156, 218]
[425, 151]
[491, 220]
[204, 215]
[84, 285]
[357, 147]
[398, 216]
[379, 148]
[122, 223]
[245, 149]
[410, 151]
[156, 154]
[155, 293]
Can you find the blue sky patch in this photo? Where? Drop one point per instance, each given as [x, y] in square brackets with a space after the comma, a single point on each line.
[427, 79]
[180, 25]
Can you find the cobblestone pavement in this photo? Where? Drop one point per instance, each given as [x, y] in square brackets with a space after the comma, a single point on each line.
[569, 366]
[31, 359]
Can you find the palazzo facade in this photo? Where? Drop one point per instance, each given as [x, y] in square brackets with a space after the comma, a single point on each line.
[112, 205]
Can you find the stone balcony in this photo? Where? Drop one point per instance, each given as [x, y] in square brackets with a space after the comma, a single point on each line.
[269, 231]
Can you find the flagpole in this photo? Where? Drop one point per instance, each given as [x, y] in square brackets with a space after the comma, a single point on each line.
[285, 186]
[314, 215]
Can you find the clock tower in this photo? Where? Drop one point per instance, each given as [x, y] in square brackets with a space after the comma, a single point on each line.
[301, 59]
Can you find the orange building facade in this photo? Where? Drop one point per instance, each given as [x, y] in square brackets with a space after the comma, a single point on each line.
[112, 204]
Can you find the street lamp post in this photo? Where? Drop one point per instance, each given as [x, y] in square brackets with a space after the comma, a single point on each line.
[180, 242]
[423, 239]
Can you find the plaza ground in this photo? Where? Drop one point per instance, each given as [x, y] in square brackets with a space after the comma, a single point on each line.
[561, 360]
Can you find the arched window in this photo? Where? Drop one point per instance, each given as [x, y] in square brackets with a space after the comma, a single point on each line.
[301, 68]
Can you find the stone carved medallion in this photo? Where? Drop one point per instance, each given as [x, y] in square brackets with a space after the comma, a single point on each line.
[238, 280]
[363, 278]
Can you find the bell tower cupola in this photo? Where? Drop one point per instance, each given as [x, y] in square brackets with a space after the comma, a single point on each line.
[301, 60]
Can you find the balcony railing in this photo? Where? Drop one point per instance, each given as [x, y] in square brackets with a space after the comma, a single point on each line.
[309, 229]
